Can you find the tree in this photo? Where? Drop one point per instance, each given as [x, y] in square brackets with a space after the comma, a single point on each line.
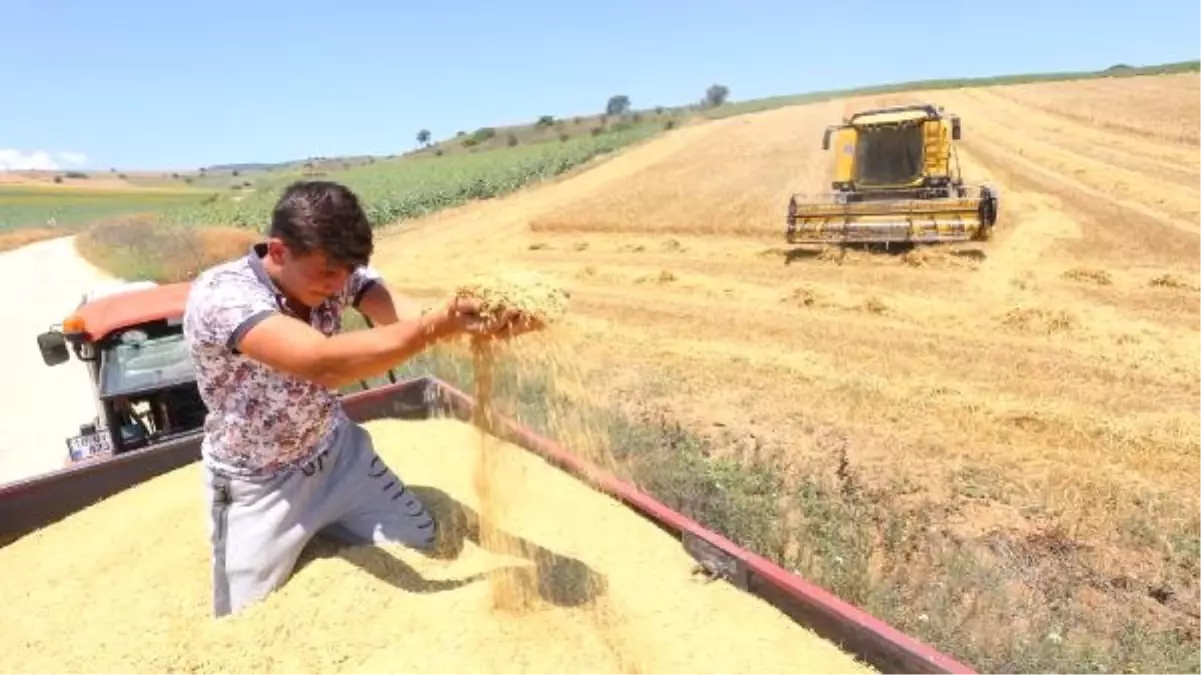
[716, 95]
[423, 137]
[617, 105]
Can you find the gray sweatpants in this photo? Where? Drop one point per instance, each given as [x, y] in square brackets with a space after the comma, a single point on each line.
[258, 529]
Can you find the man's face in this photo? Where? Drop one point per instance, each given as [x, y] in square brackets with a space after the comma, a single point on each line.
[310, 278]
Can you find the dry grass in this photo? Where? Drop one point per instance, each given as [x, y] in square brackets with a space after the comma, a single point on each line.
[1089, 275]
[737, 186]
[140, 247]
[1040, 388]
[1105, 104]
[15, 239]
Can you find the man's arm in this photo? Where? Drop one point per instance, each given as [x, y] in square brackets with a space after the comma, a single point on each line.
[294, 347]
[233, 312]
[384, 307]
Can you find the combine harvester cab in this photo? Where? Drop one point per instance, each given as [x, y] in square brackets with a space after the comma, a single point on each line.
[39, 502]
[896, 181]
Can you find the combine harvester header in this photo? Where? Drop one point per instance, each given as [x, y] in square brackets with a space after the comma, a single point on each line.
[896, 180]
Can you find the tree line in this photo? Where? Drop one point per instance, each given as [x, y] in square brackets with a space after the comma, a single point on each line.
[616, 106]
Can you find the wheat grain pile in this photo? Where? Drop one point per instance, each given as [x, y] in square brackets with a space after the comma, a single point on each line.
[124, 586]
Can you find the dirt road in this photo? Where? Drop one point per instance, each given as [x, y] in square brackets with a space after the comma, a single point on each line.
[41, 405]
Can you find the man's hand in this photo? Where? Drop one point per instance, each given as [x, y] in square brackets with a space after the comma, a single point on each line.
[465, 315]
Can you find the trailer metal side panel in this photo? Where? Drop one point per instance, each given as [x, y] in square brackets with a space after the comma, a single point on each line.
[37, 502]
[34, 503]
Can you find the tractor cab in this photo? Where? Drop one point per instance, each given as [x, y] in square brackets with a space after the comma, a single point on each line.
[130, 339]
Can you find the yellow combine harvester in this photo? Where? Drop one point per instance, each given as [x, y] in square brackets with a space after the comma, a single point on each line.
[896, 180]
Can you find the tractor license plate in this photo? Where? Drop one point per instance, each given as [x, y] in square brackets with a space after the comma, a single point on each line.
[88, 445]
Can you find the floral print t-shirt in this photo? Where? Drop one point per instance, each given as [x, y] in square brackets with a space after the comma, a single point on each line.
[260, 422]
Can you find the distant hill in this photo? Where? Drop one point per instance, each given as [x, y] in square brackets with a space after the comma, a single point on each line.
[551, 128]
[248, 166]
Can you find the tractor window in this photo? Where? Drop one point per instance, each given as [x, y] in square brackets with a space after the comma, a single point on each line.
[889, 155]
[151, 364]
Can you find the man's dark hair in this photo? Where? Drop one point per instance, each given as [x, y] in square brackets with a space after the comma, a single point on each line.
[323, 216]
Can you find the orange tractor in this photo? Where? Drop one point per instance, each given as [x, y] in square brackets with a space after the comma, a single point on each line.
[130, 339]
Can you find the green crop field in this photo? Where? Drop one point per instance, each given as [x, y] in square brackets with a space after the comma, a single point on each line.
[22, 207]
[406, 188]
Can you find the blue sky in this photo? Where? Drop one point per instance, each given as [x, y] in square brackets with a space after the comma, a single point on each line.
[139, 84]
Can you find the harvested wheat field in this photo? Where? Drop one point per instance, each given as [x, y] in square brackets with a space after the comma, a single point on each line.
[1025, 410]
[607, 590]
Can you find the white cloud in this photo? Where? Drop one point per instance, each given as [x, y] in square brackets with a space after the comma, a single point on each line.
[15, 160]
[38, 160]
[75, 158]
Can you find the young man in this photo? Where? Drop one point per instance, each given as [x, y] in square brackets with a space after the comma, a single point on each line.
[282, 461]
